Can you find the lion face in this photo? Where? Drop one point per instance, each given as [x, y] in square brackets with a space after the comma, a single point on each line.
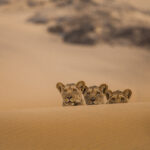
[71, 93]
[94, 95]
[118, 96]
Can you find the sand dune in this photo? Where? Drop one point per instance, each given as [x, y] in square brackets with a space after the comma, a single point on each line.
[114, 127]
[31, 116]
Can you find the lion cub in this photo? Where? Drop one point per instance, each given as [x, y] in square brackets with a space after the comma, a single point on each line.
[94, 95]
[71, 93]
[118, 96]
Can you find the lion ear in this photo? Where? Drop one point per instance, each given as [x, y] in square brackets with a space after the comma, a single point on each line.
[60, 86]
[81, 85]
[103, 88]
[108, 94]
[127, 93]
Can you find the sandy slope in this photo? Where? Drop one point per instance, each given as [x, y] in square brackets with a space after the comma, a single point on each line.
[31, 116]
[108, 127]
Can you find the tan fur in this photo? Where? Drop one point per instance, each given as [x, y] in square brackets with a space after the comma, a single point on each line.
[94, 95]
[71, 93]
[118, 96]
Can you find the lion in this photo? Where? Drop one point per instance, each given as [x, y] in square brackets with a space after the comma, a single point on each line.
[118, 96]
[71, 93]
[94, 95]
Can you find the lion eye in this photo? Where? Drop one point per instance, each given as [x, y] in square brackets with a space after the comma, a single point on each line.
[122, 99]
[98, 93]
[74, 90]
[88, 93]
[65, 90]
[113, 99]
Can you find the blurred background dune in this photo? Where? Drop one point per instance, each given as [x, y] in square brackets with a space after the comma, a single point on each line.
[43, 42]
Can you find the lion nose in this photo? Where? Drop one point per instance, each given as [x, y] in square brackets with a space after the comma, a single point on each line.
[93, 99]
[69, 97]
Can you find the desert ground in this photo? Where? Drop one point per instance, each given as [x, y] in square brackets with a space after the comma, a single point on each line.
[32, 61]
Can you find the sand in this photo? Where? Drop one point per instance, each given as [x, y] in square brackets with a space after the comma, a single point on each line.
[31, 116]
[114, 127]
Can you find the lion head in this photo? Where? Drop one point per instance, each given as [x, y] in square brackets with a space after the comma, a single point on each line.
[71, 93]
